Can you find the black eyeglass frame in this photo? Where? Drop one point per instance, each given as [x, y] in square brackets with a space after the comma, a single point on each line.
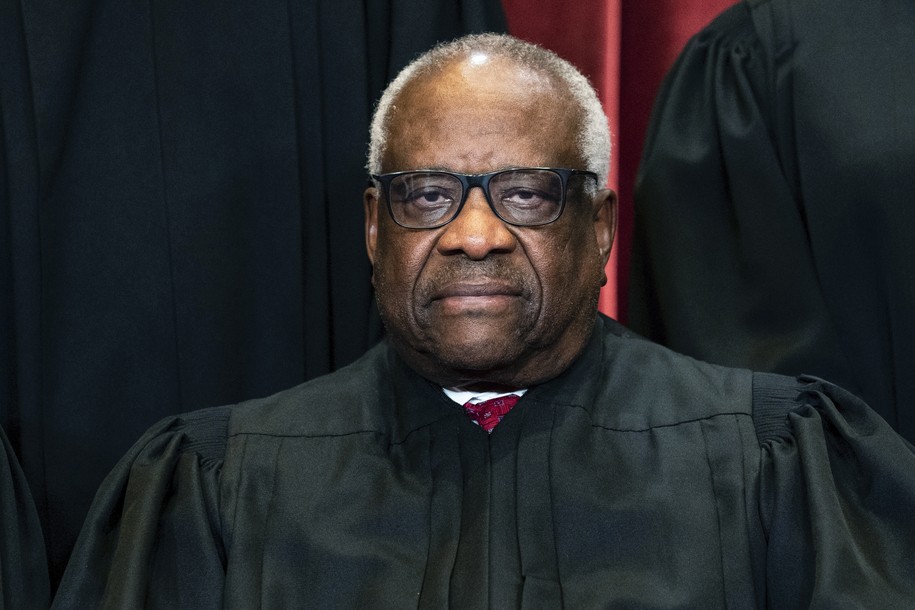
[469, 181]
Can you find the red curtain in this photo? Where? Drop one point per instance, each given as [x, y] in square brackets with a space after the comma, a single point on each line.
[625, 47]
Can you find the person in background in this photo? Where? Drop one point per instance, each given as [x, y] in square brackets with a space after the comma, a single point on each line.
[774, 215]
[505, 445]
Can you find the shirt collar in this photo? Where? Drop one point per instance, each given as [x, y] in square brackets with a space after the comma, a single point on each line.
[462, 397]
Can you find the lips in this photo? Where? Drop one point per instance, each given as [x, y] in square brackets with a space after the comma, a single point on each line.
[475, 289]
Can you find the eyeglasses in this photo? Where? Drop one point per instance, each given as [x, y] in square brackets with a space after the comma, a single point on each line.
[525, 197]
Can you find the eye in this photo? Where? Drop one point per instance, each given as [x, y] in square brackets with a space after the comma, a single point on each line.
[424, 190]
[527, 189]
[526, 198]
[428, 197]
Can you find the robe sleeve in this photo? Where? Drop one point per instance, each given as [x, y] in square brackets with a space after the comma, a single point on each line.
[153, 535]
[837, 499]
[23, 566]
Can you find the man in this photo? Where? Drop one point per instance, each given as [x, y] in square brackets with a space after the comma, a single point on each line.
[625, 476]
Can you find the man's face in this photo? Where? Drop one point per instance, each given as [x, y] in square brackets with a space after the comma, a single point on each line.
[479, 302]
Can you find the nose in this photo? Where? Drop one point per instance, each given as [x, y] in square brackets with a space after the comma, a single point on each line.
[476, 232]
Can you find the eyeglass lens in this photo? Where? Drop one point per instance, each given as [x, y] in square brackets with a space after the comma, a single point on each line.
[524, 197]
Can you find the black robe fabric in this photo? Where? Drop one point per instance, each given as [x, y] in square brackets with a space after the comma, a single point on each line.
[181, 212]
[23, 565]
[639, 478]
[774, 204]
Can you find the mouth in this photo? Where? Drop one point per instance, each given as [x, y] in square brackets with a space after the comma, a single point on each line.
[474, 297]
[474, 289]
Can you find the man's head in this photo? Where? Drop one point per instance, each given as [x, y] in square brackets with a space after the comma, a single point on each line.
[481, 301]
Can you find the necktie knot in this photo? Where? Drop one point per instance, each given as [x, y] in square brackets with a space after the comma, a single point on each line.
[490, 412]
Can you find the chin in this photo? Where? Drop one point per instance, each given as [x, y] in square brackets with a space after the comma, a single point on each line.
[475, 357]
[457, 363]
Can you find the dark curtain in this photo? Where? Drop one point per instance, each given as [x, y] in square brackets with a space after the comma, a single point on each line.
[181, 222]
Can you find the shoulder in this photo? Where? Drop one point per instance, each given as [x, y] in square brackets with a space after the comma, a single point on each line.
[346, 401]
[377, 394]
[332, 403]
[642, 384]
[733, 30]
[786, 407]
[202, 432]
[734, 24]
[630, 382]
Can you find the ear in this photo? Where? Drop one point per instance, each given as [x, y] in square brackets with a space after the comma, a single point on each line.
[605, 217]
[371, 203]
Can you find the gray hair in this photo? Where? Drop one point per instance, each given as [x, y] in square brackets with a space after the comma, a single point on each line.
[594, 132]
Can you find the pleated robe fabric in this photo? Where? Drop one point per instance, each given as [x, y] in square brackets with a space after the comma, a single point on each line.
[637, 479]
[181, 212]
[774, 217]
[23, 565]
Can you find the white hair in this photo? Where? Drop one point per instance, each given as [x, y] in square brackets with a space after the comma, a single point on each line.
[594, 132]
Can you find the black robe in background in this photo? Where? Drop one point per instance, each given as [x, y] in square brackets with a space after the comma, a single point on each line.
[181, 211]
[23, 566]
[638, 478]
[775, 205]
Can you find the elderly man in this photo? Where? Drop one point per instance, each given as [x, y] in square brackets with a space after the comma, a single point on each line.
[625, 476]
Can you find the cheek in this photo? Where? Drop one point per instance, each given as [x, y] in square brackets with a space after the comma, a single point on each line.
[570, 273]
[399, 260]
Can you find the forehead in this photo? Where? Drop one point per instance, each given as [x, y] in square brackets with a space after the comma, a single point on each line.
[477, 116]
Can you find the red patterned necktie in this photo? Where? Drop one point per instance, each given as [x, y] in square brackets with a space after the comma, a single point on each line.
[490, 412]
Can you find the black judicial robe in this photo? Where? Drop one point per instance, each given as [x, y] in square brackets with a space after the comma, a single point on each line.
[638, 478]
[774, 204]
